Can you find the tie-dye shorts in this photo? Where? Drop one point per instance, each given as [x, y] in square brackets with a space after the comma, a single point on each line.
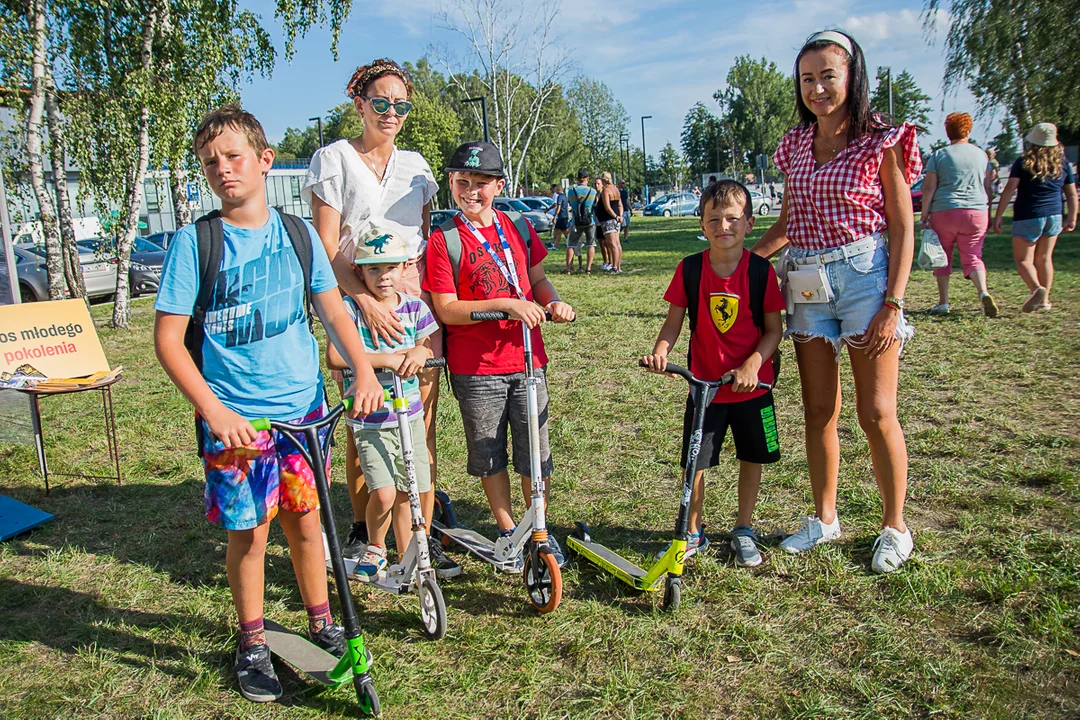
[247, 485]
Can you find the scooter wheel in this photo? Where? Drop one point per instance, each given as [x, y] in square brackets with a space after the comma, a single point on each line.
[672, 594]
[543, 583]
[432, 608]
[581, 532]
[366, 696]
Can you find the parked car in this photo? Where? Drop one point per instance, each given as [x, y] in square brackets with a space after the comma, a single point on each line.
[673, 204]
[916, 195]
[163, 238]
[99, 275]
[438, 217]
[541, 222]
[144, 274]
[538, 202]
[762, 204]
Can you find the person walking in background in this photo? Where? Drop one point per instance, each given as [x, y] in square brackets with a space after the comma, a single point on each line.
[608, 215]
[581, 198]
[995, 168]
[847, 187]
[561, 210]
[1038, 178]
[624, 198]
[956, 203]
[601, 239]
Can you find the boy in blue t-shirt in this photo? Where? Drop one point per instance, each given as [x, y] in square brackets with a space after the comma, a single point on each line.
[259, 360]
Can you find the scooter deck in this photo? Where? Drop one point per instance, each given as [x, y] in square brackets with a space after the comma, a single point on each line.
[471, 540]
[300, 652]
[615, 564]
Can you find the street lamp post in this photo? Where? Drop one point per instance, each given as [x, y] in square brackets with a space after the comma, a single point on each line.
[318, 120]
[644, 161]
[624, 151]
[888, 70]
[483, 109]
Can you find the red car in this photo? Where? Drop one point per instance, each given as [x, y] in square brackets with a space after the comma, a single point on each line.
[916, 195]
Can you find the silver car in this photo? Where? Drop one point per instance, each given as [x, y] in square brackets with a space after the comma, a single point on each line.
[540, 221]
[762, 204]
[99, 275]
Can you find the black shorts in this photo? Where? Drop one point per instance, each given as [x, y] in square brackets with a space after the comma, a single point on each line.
[562, 224]
[753, 427]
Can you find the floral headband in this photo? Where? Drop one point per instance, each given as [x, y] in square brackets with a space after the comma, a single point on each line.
[377, 69]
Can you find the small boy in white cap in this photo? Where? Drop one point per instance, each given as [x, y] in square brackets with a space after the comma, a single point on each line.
[380, 261]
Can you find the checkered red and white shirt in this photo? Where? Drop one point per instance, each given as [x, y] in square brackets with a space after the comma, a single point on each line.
[842, 201]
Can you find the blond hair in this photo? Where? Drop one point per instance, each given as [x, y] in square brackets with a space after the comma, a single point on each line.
[605, 176]
[1044, 163]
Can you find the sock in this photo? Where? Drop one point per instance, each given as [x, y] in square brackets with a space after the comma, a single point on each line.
[252, 633]
[318, 616]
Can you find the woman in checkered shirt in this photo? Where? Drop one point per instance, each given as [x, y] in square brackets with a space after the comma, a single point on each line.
[848, 222]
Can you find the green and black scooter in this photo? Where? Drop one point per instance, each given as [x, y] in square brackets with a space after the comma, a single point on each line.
[291, 647]
[670, 565]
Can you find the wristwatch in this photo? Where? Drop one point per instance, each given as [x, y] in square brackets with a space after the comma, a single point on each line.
[895, 302]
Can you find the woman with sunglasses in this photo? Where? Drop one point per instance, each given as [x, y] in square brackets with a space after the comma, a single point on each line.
[353, 185]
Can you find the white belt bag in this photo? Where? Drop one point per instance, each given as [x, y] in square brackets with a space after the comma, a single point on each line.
[807, 281]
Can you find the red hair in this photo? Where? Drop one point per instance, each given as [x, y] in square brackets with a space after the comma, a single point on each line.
[958, 125]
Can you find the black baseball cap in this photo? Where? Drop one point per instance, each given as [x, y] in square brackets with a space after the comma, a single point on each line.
[478, 157]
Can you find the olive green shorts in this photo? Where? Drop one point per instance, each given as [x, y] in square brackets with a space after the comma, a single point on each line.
[382, 461]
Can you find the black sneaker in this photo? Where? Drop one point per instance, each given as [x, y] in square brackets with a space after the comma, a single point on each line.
[255, 674]
[331, 639]
[444, 566]
[357, 542]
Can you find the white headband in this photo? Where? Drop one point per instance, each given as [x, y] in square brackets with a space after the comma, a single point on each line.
[835, 38]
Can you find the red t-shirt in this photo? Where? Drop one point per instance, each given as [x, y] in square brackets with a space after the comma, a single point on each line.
[726, 335]
[487, 348]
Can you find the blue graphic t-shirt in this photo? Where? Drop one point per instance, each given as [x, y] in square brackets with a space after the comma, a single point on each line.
[259, 358]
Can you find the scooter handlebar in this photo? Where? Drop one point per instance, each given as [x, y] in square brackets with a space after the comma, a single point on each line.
[688, 377]
[488, 315]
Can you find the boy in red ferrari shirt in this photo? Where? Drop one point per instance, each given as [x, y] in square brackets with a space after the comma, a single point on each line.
[486, 360]
[726, 341]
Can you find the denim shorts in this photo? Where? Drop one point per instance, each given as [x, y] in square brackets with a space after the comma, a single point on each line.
[1034, 228]
[489, 405]
[859, 285]
[608, 227]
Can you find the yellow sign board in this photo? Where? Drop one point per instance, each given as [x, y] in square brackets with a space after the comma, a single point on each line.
[56, 339]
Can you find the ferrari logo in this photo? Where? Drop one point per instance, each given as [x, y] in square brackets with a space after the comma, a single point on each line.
[724, 308]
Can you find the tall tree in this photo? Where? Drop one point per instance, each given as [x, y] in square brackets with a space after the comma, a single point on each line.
[1016, 56]
[602, 118]
[702, 141]
[513, 60]
[910, 103]
[672, 168]
[757, 103]
[1006, 145]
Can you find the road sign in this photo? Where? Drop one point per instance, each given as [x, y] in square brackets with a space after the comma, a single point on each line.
[762, 161]
[193, 192]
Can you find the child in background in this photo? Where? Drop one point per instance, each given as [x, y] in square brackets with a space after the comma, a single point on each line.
[380, 262]
[258, 359]
[499, 270]
[725, 340]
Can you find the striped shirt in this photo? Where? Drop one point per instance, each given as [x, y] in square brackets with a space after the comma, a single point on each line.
[419, 323]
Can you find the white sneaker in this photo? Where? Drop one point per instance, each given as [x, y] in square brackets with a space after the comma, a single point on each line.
[891, 550]
[605, 266]
[811, 533]
[942, 309]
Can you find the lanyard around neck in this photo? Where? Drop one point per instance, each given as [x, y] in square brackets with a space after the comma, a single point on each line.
[507, 267]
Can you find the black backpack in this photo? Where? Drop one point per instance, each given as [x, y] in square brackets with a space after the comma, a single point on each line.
[583, 214]
[758, 272]
[210, 237]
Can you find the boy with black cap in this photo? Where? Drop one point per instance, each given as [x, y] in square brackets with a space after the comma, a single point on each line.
[495, 263]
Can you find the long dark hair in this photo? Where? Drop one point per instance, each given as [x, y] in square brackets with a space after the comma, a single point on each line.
[863, 120]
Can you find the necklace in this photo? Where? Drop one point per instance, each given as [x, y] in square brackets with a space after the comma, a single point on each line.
[831, 146]
[371, 164]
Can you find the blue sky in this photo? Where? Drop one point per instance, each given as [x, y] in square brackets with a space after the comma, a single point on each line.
[658, 57]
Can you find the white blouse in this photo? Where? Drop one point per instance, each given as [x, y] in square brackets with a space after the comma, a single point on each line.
[342, 180]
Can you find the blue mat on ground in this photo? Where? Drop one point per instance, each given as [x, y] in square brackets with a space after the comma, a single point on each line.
[16, 517]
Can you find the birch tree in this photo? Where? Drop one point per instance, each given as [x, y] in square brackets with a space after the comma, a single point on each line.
[58, 155]
[512, 58]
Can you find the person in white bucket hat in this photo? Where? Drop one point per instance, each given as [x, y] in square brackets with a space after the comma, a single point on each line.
[1038, 178]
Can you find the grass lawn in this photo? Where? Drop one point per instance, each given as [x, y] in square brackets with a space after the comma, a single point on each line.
[120, 607]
